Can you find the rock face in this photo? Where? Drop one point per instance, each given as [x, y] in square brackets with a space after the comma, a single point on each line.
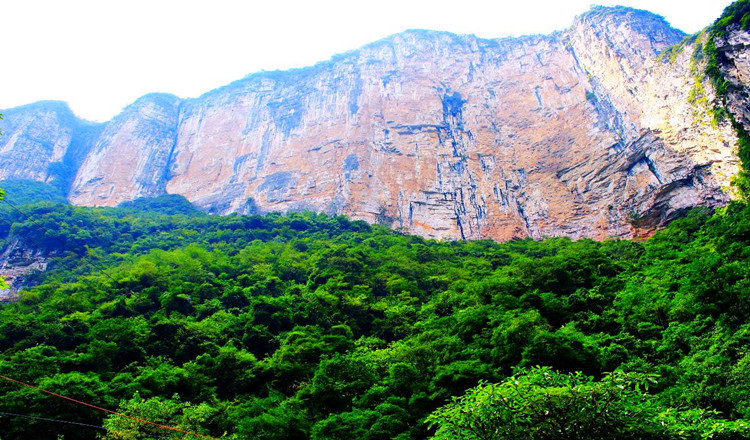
[44, 141]
[17, 261]
[583, 133]
[734, 51]
[130, 157]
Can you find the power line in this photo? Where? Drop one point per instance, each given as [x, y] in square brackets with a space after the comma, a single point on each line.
[107, 410]
[103, 272]
[45, 419]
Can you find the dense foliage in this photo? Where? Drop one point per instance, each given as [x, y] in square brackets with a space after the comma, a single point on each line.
[307, 326]
[738, 13]
[165, 204]
[542, 404]
[20, 192]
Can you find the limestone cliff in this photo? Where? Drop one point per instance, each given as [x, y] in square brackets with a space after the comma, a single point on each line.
[44, 141]
[587, 132]
[130, 157]
[734, 53]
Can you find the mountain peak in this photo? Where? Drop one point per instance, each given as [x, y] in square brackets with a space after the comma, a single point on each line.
[166, 98]
[580, 134]
[60, 107]
[640, 20]
[158, 100]
[599, 11]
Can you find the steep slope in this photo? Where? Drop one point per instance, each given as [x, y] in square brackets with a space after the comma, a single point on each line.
[583, 133]
[130, 158]
[44, 141]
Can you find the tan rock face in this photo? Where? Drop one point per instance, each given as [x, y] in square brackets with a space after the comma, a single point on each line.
[583, 133]
[734, 54]
[130, 157]
[43, 141]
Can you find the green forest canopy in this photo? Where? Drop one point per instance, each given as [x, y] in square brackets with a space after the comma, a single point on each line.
[307, 326]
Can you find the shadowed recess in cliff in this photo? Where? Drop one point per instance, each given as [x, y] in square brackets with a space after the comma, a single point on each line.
[451, 136]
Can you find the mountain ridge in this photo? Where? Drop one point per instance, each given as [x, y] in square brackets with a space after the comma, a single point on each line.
[443, 135]
[594, 10]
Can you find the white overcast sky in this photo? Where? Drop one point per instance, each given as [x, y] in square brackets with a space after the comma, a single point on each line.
[101, 55]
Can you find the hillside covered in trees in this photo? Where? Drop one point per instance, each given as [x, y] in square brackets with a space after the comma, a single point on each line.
[306, 326]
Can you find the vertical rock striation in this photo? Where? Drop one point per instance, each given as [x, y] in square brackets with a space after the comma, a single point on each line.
[130, 157]
[44, 141]
[583, 133]
[734, 62]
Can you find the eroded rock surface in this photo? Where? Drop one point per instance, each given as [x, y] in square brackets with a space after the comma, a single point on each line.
[44, 141]
[17, 261]
[734, 57]
[130, 157]
[583, 133]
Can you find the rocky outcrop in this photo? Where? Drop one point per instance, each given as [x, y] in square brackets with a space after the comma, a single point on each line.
[734, 53]
[17, 261]
[582, 133]
[44, 141]
[130, 157]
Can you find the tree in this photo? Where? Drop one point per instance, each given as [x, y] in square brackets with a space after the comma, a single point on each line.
[542, 404]
[181, 417]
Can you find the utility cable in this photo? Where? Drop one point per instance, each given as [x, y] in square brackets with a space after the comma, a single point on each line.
[107, 410]
[45, 419]
[103, 272]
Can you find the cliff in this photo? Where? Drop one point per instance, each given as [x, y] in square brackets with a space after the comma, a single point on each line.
[17, 261]
[589, 132]
[129, 158]
[44, 141]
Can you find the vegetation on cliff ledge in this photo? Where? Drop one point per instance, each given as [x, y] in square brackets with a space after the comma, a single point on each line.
[306, 326]
[736, 15]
